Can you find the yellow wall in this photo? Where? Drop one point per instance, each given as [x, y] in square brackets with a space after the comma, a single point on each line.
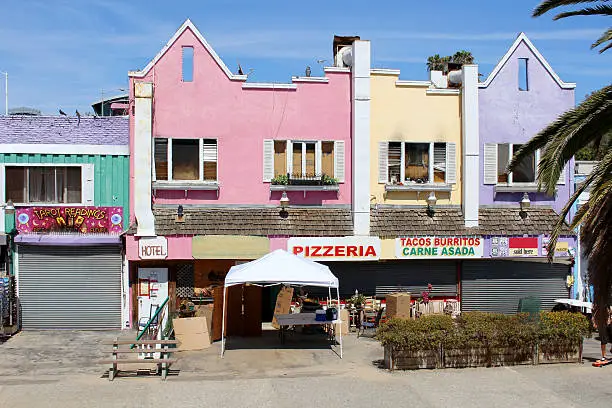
[409, 114]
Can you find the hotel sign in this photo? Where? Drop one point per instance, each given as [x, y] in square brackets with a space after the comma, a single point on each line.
[336, 248]
[434, 247]
[153, 248]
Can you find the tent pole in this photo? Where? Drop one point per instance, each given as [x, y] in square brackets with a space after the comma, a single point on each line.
[223, 321]
[340, 329]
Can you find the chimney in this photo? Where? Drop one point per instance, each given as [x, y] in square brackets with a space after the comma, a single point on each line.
[471, 144]
[438, 79]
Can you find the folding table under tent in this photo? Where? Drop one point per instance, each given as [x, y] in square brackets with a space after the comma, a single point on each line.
[277, 268]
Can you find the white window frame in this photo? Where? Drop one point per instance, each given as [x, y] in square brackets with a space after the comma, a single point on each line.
[318, 156]
[430, 175]
[510, 174]
[87, 185]
[200, 161]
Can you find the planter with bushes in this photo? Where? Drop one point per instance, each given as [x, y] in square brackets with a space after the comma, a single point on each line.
[482, 340]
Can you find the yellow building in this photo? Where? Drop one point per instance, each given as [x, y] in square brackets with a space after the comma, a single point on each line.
[415, 141]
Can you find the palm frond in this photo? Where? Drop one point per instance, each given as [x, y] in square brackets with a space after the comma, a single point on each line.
[607, 47]
[548, 5]
[601, 9]
[605, 37]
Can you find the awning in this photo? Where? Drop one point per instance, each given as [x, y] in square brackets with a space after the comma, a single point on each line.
[72, 239]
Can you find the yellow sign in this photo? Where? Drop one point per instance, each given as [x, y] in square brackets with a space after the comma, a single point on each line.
[229, 247]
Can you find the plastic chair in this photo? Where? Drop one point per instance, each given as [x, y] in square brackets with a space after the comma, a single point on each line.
[366, 322]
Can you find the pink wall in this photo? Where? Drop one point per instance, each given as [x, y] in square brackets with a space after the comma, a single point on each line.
[179, 247]
[213, 106]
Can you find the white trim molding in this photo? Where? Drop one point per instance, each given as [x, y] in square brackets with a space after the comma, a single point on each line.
[113, 150]
[385, 71]
[523, 38]
[267, 85]
[405, 83]
[446, 91]
[337, 70]
[187, 25]
[309, 79]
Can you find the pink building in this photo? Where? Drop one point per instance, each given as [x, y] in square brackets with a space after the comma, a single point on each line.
[212, 156]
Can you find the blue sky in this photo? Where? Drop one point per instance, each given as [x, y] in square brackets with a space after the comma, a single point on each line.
[66, 53]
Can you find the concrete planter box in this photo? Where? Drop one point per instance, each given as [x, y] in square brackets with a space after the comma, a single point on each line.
[397, 359]
[552, 355]
[483, 357]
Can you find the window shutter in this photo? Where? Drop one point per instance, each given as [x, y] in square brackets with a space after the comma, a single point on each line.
[451, 163]
[562, 175]
[490, 163]
[339, 161]
[209, 151]
[289, 157]
[268, 160]
[383, 159]
[87, 179]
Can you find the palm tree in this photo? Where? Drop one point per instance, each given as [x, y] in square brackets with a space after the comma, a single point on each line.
[463, 57]
[588, 123]
[600, 7]
[437, 63]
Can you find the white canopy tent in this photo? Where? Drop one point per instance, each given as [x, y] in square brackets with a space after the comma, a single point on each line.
[277, 268]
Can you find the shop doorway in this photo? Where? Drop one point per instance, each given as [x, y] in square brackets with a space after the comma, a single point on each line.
[268, 302]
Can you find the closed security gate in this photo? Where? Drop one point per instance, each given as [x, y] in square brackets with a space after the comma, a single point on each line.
[381, 278]
[497, 286]
[70, 287]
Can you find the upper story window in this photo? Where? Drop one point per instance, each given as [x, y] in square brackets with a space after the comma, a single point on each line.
[497, 156]
[185, 159]
[406, 163]
[303, 159]
[187, 64]
[44, 184]
[523, 77]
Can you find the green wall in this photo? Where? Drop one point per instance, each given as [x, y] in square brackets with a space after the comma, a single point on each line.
[111, 175]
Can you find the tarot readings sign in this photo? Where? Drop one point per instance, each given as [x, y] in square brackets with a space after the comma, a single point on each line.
[85, 220]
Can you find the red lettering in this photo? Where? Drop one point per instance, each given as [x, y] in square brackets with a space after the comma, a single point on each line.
[298, 250]
[477, 240]
[351, 250]
[339, 251]
[328, 250]
[370, 251]
[315, 251]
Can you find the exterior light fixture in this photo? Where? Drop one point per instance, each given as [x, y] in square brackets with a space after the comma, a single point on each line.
[284, 201]
[180, 214]
[9, 207]
[431, 202]
[524, 203]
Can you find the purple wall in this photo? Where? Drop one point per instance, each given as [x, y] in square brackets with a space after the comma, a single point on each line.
[111, 130]
[508, 115]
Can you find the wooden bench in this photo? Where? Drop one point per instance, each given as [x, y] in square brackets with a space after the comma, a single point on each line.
[163, 362]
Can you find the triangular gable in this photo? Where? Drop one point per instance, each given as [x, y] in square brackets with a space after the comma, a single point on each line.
[523, 38]
[187, 25]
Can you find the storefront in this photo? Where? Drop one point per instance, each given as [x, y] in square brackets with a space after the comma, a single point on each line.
[514, 268]
[68, 267]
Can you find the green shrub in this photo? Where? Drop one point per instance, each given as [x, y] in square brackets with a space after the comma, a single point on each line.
[328, 180]
[560, 331]
[426, 333]
[555, 331]
[280, 180]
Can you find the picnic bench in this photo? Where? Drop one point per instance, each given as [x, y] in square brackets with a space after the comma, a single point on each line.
[163, 361]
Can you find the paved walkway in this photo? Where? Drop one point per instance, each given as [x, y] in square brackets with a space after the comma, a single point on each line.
[58, 369]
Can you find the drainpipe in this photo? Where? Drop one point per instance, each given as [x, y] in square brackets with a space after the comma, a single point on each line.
[143, 94]
[471, 144]
[361, 137]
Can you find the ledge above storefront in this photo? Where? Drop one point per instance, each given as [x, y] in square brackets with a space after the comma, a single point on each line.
[186, 186]
[517, 188]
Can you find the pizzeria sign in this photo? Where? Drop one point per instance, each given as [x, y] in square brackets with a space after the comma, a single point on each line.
[439, 247]
[336, 248]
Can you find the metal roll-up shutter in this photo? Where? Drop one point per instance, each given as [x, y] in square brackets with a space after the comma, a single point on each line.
[497, 286]
[381, 278]
[70, 287]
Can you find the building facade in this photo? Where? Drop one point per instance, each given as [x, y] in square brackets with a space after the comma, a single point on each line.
[214, 154]
[64, 185]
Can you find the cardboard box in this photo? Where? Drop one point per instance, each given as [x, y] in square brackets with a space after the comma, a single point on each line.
[344, 316]
[283, 304]
[192, 333]
[207, 312]
[398, 305]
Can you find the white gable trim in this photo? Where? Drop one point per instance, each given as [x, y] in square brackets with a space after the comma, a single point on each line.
[522, 37]
[187, 25]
